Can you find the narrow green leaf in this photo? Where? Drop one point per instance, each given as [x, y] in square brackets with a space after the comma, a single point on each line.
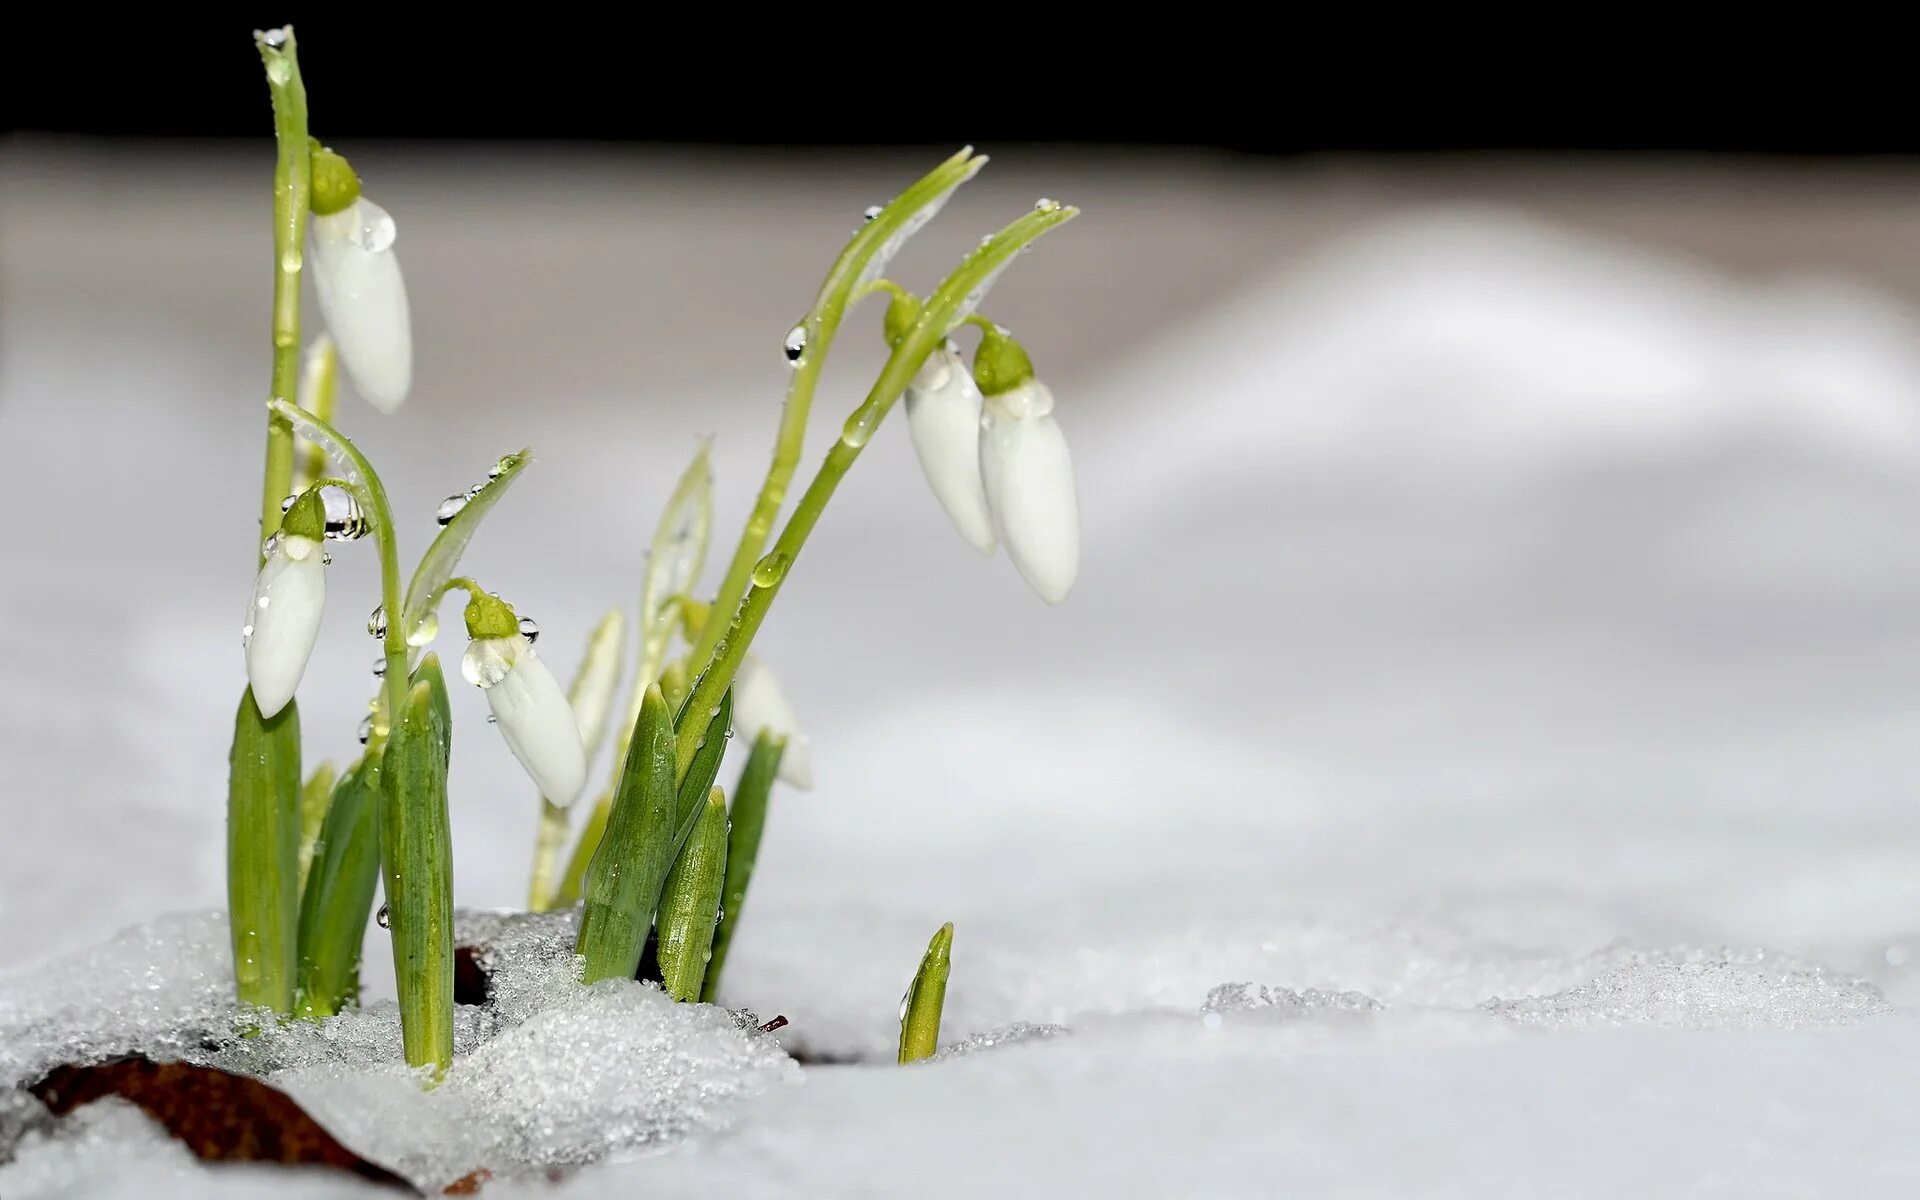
[443, 556]
[679, 540]
[623, 883]
[926, 998]
[339, 893]
[749, 819]
[263, 853]
[314, 795]
[416, 852]
[690, 902]
[705, 767]
[567, 893]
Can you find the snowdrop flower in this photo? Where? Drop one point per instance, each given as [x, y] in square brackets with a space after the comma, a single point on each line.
[1027, 469]
[362, 296]
[760, 706]
[283, 618]
[943, 416]
[528, 706]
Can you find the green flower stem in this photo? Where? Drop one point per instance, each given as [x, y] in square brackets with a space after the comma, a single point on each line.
[880, 235]
[548, 841]
[690, 901]
[927, 999]
[291, 189]
[943, 309]
[319, 387]
[567, 894]
[748, 819]
[263, 853]
[314, 796]
[371, 494]
[339, 893]
[416, 854]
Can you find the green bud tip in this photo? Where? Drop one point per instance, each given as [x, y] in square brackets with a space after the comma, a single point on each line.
[490, 616]
[902, 309]
[307, 517]
[335, 186]
[1001, 363]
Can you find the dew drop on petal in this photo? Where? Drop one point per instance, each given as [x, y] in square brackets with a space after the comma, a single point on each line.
[529, 629]
[795, 346]
[384, 919]
[771, 569]
[377, 621]
[269, 546]
[246, 634]
[373, 228]
[450, 507]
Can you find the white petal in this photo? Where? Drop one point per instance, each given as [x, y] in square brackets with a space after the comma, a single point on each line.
[532, 714]
[364, 301]
[760, 705]
[943, 416]
[284, 619]
[1029, 476]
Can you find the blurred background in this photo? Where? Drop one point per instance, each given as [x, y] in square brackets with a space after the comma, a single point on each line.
[1497, 517]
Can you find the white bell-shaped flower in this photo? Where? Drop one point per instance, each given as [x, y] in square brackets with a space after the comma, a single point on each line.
[1028, 473]
[531, 712]
[943, 416]
[759, 705]
[364, 300]
[283, 619]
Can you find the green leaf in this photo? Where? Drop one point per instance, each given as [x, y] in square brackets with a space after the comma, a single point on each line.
[572, 879]
[926, 998]
[629, 868]
[339, 893]
[416, 854]
[314, 795]
[705, 767]
[443, 557]
[679, 540]
[263, 853]
[749, 819]
[690, 902]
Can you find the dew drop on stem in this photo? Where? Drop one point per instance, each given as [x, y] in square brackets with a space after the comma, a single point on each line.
[366, 730]
[345, 521]
[450, 507]
[873, 210]
[377, 621]
[795, 347]
[380, 667]
[771, 569]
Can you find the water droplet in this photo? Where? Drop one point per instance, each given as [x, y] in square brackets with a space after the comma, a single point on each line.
[366, 730]
[771, 569]
[326, 558]
[873, 210]
[906, 998]
[383, 918]
[1046, 205]
[269, 546]
[246, 634]
[796, 344]
[492, 720]
[374, 230]
[274, 38]
[377, 621]
[345, 521]
[858, 430]
[450, 507]
[291, 260]
[502, 467]
[427, 630]
[380, 667]
[287, 504]
[529, 629]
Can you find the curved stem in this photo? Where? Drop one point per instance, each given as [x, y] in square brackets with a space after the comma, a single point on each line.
[951, 303]
[291, 189]
[865, 254]
[365, 484]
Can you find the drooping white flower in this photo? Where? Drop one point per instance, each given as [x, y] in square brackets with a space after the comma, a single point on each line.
[760, 705]
[364, 300]
[531, 712]
[283, 619]
[943, 416]
[1028, 473]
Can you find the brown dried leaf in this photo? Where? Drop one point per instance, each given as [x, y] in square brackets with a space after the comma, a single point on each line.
[220, 1116]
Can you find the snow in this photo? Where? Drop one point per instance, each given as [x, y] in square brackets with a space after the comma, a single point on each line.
[1477, 759]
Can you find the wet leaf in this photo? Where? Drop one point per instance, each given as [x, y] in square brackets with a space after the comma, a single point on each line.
[443, 557]
[219, 1116]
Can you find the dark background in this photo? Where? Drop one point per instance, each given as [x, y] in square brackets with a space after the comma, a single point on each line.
[1265, 84]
